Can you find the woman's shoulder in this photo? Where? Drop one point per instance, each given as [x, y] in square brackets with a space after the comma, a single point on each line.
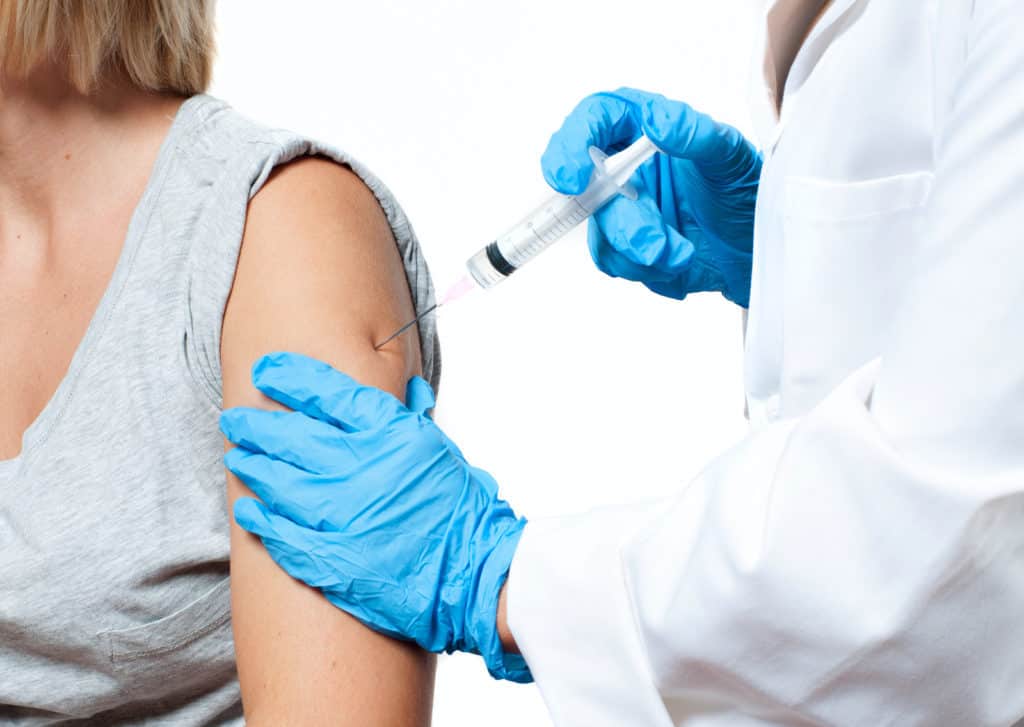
[274, 197]
[223, 145]
[219, 142]
[208, 117]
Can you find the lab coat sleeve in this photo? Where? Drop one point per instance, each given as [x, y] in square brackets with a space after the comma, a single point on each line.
[861, 565]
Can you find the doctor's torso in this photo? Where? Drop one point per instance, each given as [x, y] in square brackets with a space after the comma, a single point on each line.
[847, 175]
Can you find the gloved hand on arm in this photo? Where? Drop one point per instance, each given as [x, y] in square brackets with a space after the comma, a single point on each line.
[692, 227]
[366, 499]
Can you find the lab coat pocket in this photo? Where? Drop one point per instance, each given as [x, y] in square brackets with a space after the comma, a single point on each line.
[159, 656]
[847, 252]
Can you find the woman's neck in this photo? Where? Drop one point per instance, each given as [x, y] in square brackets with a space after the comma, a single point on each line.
[60, 150]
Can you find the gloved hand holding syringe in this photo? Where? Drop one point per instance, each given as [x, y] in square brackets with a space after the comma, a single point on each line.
[547, 224]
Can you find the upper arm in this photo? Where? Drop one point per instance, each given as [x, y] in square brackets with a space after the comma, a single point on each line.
[319, 273]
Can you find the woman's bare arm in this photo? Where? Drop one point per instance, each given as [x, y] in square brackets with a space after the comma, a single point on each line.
[319, 273]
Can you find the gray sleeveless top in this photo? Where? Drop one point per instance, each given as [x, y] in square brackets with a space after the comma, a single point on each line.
[114, 596]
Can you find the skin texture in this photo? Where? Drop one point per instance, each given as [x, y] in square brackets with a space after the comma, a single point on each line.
[319, 273]
[72, 169]
[801, 20]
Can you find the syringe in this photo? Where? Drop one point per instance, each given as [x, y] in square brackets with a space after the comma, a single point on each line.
[553, 220]
[550, 222]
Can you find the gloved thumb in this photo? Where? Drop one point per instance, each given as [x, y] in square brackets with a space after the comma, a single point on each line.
[419, 396]
[676, 128]
[255, 517]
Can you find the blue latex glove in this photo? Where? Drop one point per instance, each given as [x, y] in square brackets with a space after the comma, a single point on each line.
[366, 499]
[692, 227]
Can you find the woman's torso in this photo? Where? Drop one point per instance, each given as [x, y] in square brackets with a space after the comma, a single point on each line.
[114, 598]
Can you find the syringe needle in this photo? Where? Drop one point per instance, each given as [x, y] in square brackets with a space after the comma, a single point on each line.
[462, 286]
[406, 327]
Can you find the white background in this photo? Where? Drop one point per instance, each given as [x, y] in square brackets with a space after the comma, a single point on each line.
[574, 390]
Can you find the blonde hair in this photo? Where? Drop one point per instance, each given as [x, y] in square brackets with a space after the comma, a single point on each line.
[158, 45]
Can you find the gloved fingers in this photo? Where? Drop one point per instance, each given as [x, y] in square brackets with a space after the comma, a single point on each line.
[637, 231]
[298, 552]
[419, 396]
[675, 127]
[679, 130]
[293, 437]
[604, 120]
[322, 392]
[283, 487]
[255, 517]
[610, 261]
[292, 546]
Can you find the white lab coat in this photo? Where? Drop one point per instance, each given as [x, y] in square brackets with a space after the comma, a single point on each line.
[858, 559]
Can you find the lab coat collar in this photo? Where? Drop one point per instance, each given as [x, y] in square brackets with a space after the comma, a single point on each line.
[768, 122]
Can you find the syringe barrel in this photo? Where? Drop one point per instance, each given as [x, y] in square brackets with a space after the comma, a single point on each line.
[556, 218]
